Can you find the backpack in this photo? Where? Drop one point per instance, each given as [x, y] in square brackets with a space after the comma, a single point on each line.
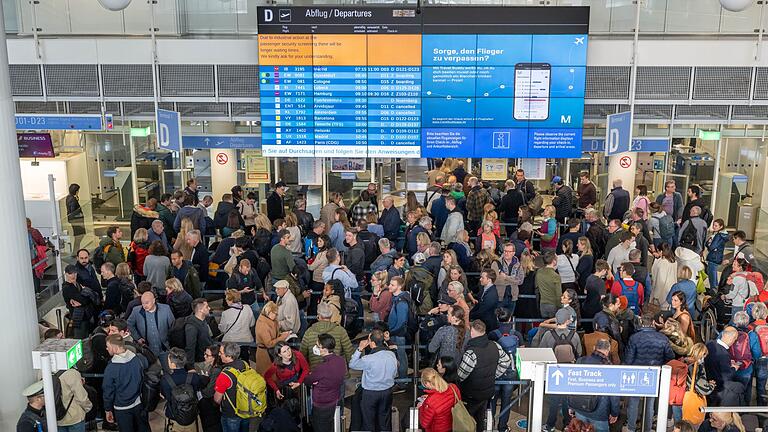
[91, 295]
[90, 359]
[666, 226]
[97, 258]
[61, 409]
[564, 350]
[251, 397]
[509, 343]
[757, 284]
[631, 293]
[349, 310]
[183, 402]
[678, 382]
[371, 246]
[584, 403]
[150, 387]
[761, 332]
[689, 238]
[412, 324]
[177, 337]
[741, 352]
[418, 282]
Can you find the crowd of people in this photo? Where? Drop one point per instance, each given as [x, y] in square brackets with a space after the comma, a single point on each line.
[301, 300]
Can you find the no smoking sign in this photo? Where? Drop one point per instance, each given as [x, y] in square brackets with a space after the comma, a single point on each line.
[222, 158]
[625, 161]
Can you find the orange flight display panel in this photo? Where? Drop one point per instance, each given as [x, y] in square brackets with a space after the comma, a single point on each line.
[394, 50]
[285, 49]
[339, 50]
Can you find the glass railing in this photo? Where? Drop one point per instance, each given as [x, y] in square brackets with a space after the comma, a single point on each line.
[213, 17]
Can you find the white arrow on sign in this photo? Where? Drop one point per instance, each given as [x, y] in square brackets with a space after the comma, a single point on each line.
[557, 375]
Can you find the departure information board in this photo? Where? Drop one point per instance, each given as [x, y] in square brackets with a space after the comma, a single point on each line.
[446, 82]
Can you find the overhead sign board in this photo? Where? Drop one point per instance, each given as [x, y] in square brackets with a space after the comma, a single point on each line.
[60, 121]
[35, 145]
[618, 133]
[650, 145]
[168, 130]
[583, 379]
[230, 141]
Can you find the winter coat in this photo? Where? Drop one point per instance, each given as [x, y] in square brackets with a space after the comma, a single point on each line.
[648, 347]
[681, 343]
[435, 411]
[716, 247]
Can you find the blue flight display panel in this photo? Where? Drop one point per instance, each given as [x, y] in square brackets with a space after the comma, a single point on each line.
[449, 82]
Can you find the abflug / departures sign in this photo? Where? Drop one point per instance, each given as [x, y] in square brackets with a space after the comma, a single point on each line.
[275, 20]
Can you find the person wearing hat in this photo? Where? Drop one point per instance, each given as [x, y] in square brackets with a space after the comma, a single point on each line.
[33, 417]
[563, 200]
[287, 308]
[276, 202]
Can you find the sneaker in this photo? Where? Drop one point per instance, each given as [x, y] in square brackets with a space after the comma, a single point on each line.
[109, 426]
[546, 428]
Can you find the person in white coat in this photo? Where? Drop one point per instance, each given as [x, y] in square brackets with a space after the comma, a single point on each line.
[663, 273]
[287, 308]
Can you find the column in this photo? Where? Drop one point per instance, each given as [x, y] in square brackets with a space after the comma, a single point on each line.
[223, 175]
[623, 166]
[19, 335]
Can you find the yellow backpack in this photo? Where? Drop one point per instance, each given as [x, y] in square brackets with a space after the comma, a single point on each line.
[251, 398]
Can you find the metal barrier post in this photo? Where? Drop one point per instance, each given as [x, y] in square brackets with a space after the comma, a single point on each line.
[536, 409]
[337, 425]
[489, 420]
[413, 420]
[663, 400]
[416, 366]
[59, 320]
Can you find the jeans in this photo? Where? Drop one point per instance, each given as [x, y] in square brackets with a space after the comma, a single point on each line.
[477, 409]
[79, 427]
[712, 275]
[322, 419]
[132, 420]
[234, 424]
[402, 358]
[633, 412]
[761, 377]
[745, 377]
[557, 403]
[677, 413]
[376, 407]
[504, 395]
[600, 425]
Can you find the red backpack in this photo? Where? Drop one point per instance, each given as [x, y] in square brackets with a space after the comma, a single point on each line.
[678, 382]
[741, 352]
[761, 332]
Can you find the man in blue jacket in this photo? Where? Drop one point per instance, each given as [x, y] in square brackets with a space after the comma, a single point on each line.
[122, 385]
[390, 220]
[606, 411]
[398, 322]
[647, 347]
[485, 309]
[150, 322]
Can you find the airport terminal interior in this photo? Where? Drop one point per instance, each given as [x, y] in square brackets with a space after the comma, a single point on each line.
[384, 215]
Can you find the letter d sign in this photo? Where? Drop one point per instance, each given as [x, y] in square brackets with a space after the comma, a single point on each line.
[268, 15]
[163, 136]
[613, 141]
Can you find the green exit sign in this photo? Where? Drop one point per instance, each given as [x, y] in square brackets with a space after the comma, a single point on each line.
[140, 132]
[709, 135]
[74, 354]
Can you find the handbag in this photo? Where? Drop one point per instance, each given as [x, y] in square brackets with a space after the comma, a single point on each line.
[462, 421]
[213, 269]
[693, 402]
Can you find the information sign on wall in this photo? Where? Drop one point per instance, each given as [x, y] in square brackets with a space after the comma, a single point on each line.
[256, 168]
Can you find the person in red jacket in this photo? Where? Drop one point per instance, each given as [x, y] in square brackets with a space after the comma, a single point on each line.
[287, 372]
[629, 288]
[435, 409]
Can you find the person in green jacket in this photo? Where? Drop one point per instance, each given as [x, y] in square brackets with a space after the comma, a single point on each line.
[166, 215]
[111, 247]
[549, 285]
[324, 325]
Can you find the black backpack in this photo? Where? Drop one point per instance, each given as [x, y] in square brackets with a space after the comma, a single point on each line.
[371, 246]
[183, 402]
[689, 239]
[583, 403]
[91, 358]
[177, 337]
[61, 409]
[97, 258]
[349, 311]
[412, 325]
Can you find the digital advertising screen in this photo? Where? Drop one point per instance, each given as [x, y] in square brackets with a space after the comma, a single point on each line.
[446, 82]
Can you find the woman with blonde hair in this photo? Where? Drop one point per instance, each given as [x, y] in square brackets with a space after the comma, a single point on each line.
[292, 225]
[178, 300]
[138, 251]
[181, 239]
[338, 230]
[435, 409]
[262, 235]
[586, 264]
[703, 387]
[549, 231]
[449, 259]
[381, 300]
[236, 322]
[723, 422]
[267, 335]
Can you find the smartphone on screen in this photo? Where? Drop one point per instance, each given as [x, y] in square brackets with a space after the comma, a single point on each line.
[532, 91]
